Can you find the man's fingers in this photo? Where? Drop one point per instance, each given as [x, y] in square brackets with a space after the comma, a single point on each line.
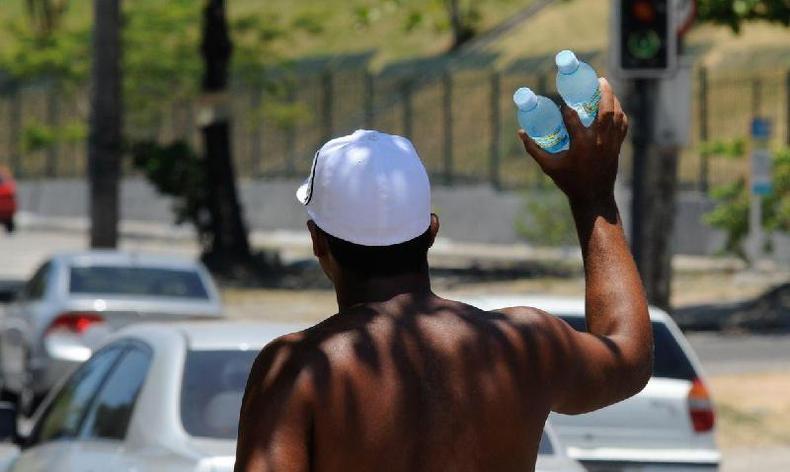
[606, 106]
[543, 158]
[572, 122]
[620, 118]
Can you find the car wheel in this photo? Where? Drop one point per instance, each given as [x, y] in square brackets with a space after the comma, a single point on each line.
[9, 225]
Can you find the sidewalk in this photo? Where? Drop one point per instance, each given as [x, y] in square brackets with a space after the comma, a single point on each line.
[446, 254]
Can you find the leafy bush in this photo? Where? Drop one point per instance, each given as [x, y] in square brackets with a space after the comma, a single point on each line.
[545, 218]
[731, 213]
[177, 171]
[39, 136]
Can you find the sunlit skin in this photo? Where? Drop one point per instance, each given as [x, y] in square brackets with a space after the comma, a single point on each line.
[403, 380]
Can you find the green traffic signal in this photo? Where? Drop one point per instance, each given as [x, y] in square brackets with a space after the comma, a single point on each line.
[644, 44]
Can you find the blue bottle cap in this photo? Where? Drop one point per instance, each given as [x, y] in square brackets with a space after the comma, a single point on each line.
[525, 99]
[567, 62]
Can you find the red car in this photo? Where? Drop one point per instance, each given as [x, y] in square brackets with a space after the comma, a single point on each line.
[7, 199]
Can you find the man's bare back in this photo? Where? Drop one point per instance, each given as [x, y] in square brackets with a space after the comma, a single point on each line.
[425, 384]
[402, 380]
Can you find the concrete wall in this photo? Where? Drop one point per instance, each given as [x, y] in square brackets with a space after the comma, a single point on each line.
[468, 213]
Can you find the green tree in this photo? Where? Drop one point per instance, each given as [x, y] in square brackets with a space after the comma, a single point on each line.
[462, 18]
[734, 12]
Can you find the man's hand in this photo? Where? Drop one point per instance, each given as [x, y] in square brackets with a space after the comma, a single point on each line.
[586, 171]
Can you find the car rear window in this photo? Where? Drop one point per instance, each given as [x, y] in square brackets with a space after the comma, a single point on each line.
[137, 281]
[669, 360]
[545, 448]
[210, 403]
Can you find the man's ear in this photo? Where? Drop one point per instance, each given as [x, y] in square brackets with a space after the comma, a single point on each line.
[433, 228]
[320, 246]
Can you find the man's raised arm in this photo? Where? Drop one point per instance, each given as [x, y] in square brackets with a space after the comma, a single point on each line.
[613, 361]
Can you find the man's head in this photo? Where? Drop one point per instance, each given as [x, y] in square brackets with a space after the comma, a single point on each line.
[369, 202]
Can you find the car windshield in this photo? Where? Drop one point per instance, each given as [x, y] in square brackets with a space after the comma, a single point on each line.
[210, 404]
[669, 361]
[137, 281]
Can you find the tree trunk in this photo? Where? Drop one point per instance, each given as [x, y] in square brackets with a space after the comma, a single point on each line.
[658, 216]
[105, 140]
[461, 31]
[653, 197]
[229, 245]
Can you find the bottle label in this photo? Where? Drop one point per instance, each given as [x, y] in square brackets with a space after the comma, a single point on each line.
[557, 138]
[590, 107]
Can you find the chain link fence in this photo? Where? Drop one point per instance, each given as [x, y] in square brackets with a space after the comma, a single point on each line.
[461, 119]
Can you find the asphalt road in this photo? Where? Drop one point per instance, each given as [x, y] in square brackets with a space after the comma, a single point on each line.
[740, 353]
[22, 252]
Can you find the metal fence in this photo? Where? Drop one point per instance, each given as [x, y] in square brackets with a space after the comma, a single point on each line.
[461, 120]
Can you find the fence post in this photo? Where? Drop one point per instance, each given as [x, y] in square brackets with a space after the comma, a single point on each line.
[327, 85]
[369, 99]
[14, 131]
[290, 134]
[787, 110]
[447, 106]
[53, 119]
[542, 88]
[496, 125]
[757, 89]
[256, 136]
[405, 91]
[703, 127]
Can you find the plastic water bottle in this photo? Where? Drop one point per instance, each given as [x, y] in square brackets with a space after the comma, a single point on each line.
[542, 120]
[577, 83]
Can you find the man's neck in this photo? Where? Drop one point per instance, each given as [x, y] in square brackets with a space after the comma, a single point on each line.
[356, 291]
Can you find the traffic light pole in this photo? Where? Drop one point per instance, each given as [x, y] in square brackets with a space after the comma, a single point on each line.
[642, 102]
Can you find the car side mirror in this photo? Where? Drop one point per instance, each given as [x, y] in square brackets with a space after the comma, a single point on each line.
[8, 430]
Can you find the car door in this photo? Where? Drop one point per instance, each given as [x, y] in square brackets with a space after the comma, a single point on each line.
[656, 418]
[19, 325]
[59, 423]
[101, 444]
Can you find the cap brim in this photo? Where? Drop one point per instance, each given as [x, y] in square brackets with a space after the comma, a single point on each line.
[303, 192]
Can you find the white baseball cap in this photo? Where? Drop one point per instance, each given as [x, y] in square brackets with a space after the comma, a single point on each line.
[368, 188]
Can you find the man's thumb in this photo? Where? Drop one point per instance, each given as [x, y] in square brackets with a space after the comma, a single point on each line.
[532, 148]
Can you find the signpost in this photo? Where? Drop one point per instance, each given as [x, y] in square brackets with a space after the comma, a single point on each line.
[760, 184]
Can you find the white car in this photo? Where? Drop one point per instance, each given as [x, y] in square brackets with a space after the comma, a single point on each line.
[667, 426]
[75, 299]
[162, 398]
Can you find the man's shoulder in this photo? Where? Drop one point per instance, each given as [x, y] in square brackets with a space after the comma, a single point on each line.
[290, 354]
[524, 316]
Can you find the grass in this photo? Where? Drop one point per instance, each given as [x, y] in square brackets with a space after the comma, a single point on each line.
[753, 409]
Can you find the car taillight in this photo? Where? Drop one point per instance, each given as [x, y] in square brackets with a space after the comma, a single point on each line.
[701, 407]
[74, 322]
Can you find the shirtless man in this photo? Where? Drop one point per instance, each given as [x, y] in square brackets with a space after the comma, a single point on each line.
[403, 380]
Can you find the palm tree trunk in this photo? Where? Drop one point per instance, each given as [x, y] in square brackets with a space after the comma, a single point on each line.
[105, 139]
[229, 243]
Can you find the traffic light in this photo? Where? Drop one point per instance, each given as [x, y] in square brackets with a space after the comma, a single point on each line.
[645, 39]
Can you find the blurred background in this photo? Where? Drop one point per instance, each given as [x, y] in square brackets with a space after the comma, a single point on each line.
[181, 129]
